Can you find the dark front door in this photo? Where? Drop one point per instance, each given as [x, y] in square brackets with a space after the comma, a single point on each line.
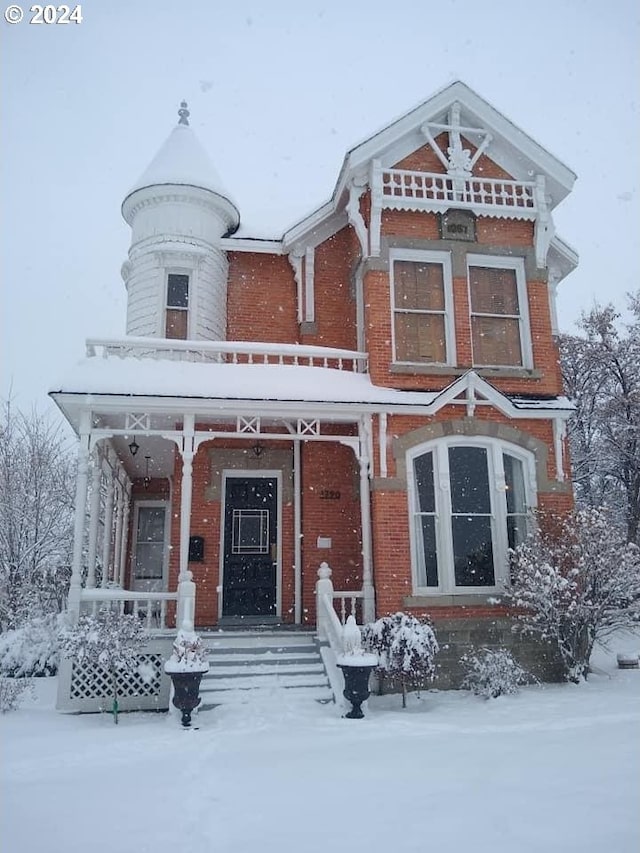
[250, 546]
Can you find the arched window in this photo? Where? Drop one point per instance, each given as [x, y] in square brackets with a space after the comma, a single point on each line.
[469, 500]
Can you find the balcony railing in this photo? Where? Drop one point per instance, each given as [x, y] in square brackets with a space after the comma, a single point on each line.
[229, 352]
[430, 191]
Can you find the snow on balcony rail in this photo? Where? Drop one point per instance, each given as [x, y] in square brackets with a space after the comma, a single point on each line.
[431, 191]
[150, 607]
[229, 352]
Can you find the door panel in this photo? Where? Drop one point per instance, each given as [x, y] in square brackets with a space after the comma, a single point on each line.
[148, 563]
[250, 546]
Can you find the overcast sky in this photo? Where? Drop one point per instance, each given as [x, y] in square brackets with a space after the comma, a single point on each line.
[278, 92]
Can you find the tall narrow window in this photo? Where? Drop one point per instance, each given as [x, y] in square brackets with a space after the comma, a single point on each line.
[516, 500]
[422, 322]
[471, 517]
[177, 317]
[499, 330]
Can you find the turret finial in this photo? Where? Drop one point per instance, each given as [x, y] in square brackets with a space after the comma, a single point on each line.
[184, 114]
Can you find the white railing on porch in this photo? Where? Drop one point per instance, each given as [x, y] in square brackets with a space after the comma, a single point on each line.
[429, 190]
[333, 608]
[229, 352]
[149, 607]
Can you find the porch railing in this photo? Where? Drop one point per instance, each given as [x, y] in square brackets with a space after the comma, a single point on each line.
[150, 607]
[229, 352]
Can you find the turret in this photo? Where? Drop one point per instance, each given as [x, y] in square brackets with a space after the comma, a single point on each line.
[176, 274]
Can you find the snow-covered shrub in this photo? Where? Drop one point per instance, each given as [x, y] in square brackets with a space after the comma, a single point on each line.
[188, 654]
[12, 692]
[110, 640]
[406, 649]
[32, 649]
[576, 583]
[493, 672]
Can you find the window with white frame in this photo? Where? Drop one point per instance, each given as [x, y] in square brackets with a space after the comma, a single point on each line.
[499, 312]
[422, 307]
[469, 502]
[177, 310]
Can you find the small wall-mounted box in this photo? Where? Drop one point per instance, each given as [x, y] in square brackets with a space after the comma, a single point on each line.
[324, 542]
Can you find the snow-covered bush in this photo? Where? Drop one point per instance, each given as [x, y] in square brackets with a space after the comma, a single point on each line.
[188, 654]
[12, 692]
[493, 672]
[32, 649]
[406, 649]
[576, 583]
[111, 641]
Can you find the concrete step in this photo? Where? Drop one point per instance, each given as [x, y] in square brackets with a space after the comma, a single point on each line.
[266, 656]
[264, 695]
[251, 682]
[259, 669]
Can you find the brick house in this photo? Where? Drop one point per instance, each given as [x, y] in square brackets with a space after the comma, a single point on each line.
[377, 388]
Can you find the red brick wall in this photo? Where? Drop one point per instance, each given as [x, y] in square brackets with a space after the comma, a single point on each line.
[261, 299]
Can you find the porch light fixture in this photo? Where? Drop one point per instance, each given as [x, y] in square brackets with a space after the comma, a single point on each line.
[147, 478]
[258, 450]
[134, 447]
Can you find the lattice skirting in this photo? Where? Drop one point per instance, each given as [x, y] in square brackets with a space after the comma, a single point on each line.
[89, 689]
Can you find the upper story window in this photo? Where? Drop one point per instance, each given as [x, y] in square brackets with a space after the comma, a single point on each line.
[422, 307]
[469, 504]
[177, 311]
[499, 313]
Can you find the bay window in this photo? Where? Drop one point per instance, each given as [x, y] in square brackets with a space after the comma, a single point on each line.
[469, 503]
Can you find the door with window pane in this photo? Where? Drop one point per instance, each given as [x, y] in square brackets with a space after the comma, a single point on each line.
[149, 551]
[250, 547]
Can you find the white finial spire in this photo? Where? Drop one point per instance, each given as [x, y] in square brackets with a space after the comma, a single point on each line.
[184, 114]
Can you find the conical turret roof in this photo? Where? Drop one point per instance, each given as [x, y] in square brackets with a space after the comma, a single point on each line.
[182, 161]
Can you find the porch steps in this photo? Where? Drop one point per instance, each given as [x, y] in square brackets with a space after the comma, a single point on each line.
[260, 666]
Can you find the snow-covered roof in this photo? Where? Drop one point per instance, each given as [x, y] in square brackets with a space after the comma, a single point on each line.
[151, 377]
[212, 388]
[182, 161]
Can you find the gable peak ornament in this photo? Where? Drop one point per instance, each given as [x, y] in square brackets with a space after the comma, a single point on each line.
[184, 114]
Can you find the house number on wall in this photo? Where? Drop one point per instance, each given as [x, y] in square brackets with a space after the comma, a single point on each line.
[329, 495]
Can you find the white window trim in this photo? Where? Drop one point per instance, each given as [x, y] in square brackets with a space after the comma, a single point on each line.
[167, 539]
[430, 257]
[190, 297]
[497, 491]
[506, 263]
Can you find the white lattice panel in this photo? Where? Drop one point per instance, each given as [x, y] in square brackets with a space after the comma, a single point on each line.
[95, 682]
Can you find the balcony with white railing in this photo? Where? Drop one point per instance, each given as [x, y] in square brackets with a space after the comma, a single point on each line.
[431, 191]
[229, 352]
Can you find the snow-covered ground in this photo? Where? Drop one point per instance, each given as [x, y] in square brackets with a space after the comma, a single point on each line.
[555, 768]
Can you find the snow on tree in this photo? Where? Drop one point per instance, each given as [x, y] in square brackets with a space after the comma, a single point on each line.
[493, 672]
[36, 517]
[109, 640]
[601, 372]
[577, 583]
[406, 648]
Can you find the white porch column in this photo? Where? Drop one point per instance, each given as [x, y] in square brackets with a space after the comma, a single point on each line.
[369, 603]
[94, 517]
[107, 527]
[122, 560]
[117, 541]
[187, 451]
[75, 585]
[297, 534]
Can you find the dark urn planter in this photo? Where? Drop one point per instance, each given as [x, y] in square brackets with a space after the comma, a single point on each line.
[186, 689]
[356, 686]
